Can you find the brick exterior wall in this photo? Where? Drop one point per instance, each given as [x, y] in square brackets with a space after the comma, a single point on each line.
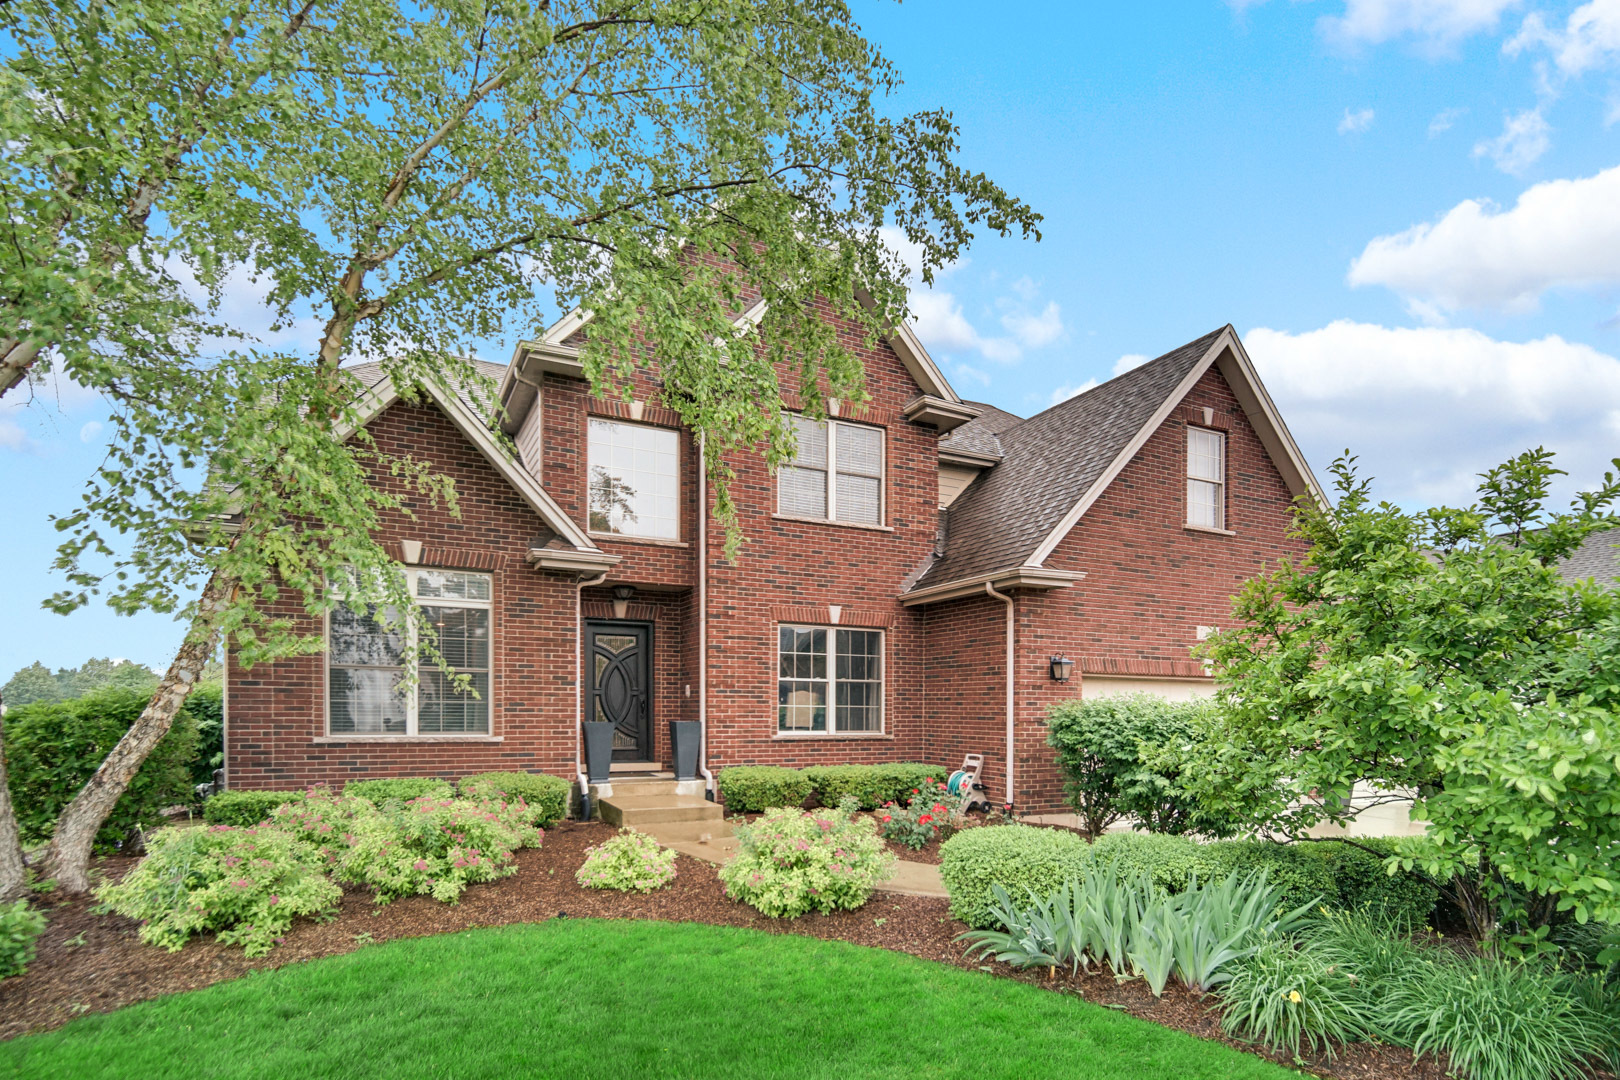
[1150, 582]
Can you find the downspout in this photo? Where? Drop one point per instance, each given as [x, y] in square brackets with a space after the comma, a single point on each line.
[579, 694]
[703, 616]
[1004, 598]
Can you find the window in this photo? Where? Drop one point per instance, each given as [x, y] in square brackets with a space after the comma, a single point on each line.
[634, 480]
[1206, 478]
[808, 679]
[365, 663]
[838, 468]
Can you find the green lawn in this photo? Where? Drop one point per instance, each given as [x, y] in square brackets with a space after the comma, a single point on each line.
[588, 999]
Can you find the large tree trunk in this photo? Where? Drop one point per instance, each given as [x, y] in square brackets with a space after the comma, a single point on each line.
[68, 859]
[12, 869]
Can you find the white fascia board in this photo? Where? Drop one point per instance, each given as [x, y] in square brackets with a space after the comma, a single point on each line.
[585, 563]
[384, 394]
[565, 327]
[1268, 424]
[1117, 466]
[1017, 577]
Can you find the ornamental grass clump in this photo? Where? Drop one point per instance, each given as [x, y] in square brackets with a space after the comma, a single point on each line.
[245, 885]
[630, 862]
[927, 816]
[429, 847]
[791, 862]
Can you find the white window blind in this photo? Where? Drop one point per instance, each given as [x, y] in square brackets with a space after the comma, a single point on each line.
[836, 475]
[1206, 478]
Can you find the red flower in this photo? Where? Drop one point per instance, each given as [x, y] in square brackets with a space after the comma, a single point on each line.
[914, 791]
[886, 818]
[925, 819]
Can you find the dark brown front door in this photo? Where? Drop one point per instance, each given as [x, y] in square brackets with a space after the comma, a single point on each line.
[619, 660]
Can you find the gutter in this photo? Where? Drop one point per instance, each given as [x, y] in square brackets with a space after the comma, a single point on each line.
[579, 692]
[1015, 577]
[1004, 598]
[703, 617]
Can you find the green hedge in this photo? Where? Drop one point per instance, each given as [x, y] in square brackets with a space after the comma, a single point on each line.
[207, 704]
[1170, 861]
[1299, 869]
[747, 788]
[1016, 857]
[53, 748]
[547, 796]
[1364, 884]
[398, 787]
[245, 808]
[872, 785]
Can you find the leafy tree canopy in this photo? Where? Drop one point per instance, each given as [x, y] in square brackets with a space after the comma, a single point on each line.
[1438, 654]
[36, 683]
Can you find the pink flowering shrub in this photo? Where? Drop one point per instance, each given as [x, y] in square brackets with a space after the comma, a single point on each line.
[929, 813]
[246, 885]
[430, 846]
[321, 819]
[792, 861]
[630, 862]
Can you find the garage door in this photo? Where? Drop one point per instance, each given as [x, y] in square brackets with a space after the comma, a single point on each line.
[1097, 686]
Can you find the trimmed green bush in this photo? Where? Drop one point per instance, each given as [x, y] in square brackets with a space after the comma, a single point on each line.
[53, 748]
[747, 788]
[871, 785]
[791, 862]
[1364, 885]
[399, 787]
[1170, 861]
[20, 927]
[547, 796]
[244, 808]
[1300, 870]
[1019, 858]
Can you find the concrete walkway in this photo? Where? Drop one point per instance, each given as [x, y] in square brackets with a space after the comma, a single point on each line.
[910, 878]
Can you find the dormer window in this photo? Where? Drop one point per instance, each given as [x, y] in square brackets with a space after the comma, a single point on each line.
[1206, 478]
[837, 474]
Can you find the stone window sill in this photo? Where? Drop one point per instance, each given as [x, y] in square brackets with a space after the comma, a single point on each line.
[1207, 529]
[833, 736]
[392, 740]
[835, 524]
[615, 538]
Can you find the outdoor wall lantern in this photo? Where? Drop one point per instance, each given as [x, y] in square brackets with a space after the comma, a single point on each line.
[1062, 668]
[621, 599]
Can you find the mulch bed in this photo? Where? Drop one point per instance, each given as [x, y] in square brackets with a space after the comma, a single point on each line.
[95, 963]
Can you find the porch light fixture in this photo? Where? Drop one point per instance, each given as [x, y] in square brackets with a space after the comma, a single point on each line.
[621, 599]
[1062, 668]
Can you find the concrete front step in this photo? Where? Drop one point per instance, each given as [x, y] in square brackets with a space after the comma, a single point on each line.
[678, 832]
[639, 811]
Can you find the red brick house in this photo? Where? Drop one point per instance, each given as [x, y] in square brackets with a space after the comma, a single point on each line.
[901, 594]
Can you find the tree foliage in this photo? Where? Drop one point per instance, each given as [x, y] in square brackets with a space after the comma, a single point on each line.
[36, 683]
[1438, 654]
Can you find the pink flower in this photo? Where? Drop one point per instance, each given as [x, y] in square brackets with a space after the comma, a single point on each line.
[275, 899]
[420, 864]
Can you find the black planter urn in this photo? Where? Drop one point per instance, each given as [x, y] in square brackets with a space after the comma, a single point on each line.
[598, 749]
[685, 738]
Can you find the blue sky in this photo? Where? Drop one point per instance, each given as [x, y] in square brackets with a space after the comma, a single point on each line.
[1410, 209]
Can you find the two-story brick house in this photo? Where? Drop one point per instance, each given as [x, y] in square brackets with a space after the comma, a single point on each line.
[902, 592]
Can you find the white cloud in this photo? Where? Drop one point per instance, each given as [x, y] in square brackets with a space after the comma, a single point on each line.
[1438, 23]
[1589, 39]
[1560, 233]
[89, 431]
[1443, 121]
[1354, 123]
[1065, 392]
[1523, 140]
[1035, 331]
[1129, 361]
[1427, 409]
[12, 437]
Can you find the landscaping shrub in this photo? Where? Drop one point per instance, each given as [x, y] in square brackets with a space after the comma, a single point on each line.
[791, 861]
[322, 820]
[1495, 1019]
[871, 785]
[1019, 858]
[53, 748]
[244, 808]
[1284, 997]
[630, 862]
[246, 885]
[545, 796]
[399, 787]
[929, 812]
[1365, 885]
[746, 788]
[207, 704]
[20, 927]
[1171, 861]
[429, 846]
[1299, 870]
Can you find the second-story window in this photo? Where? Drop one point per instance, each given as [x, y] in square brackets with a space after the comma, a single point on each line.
[837, 474]
[1206, 478]
[634, 480]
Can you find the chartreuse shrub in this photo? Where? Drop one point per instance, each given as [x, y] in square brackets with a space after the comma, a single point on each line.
[399, 787]
[746, 788]
[791, 861]
[53, 748]
[871, 785]
[20, 927]
[322, 820]
[545, 796]
[244, 808]
[1020, 858]
[630, 862]
[430, 847]
[245, 885]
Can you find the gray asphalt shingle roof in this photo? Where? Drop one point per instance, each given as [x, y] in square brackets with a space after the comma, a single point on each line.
[1049, 461]
[1597, 557]
[981, 434]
